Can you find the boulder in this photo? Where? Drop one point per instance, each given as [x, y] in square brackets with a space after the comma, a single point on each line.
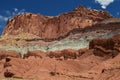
[12, 53]
[69, 54]
[54, 54]
[66, 54]
[103, 47]
[4, 54]
[36, 53]
[106, 43]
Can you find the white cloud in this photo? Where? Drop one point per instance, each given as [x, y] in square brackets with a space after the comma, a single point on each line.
[118, 13]
[21, 11]
[15, 9]
[3, 18]
[8, 14]
[13, 13]
[104, 3]
[89, 7]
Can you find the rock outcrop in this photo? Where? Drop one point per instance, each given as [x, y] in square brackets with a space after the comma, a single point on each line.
[82, 64]
[4, 54]
[53, 27]
[65, 54]
[82, 44]
[107, 47]
[36, 53]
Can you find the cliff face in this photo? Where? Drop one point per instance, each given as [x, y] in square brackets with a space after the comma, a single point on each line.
[47, 27]
[82, 44]
[99, 62]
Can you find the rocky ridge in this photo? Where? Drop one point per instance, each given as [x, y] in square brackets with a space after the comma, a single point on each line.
[82, 44]
[53, 27]
[96, 63]
[49, 33]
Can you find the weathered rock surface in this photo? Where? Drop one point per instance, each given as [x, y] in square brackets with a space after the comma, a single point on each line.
[46, 33]
[50, 47]
[64, 54]
[107, 47]
[53, 27]
[96, 63]
[4, 54]
[86, 67]
[36, 53]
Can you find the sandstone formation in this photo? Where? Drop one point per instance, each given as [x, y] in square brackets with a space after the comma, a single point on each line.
[4, 54]
[83, 44]
[82, 64]
[65, 54]
[53, 27]
[46, 31]
[87, 65]
[107, 46]
[39, 54]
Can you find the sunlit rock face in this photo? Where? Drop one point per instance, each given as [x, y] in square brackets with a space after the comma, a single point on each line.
[82, 44]
[73, 29]
[47, 27]
[96, 63]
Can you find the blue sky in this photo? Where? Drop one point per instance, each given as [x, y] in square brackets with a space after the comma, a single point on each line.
[9, 8]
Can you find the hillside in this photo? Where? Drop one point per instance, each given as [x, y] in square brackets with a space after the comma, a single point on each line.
[82, 44]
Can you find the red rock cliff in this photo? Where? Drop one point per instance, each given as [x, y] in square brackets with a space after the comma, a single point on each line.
[52, 27]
